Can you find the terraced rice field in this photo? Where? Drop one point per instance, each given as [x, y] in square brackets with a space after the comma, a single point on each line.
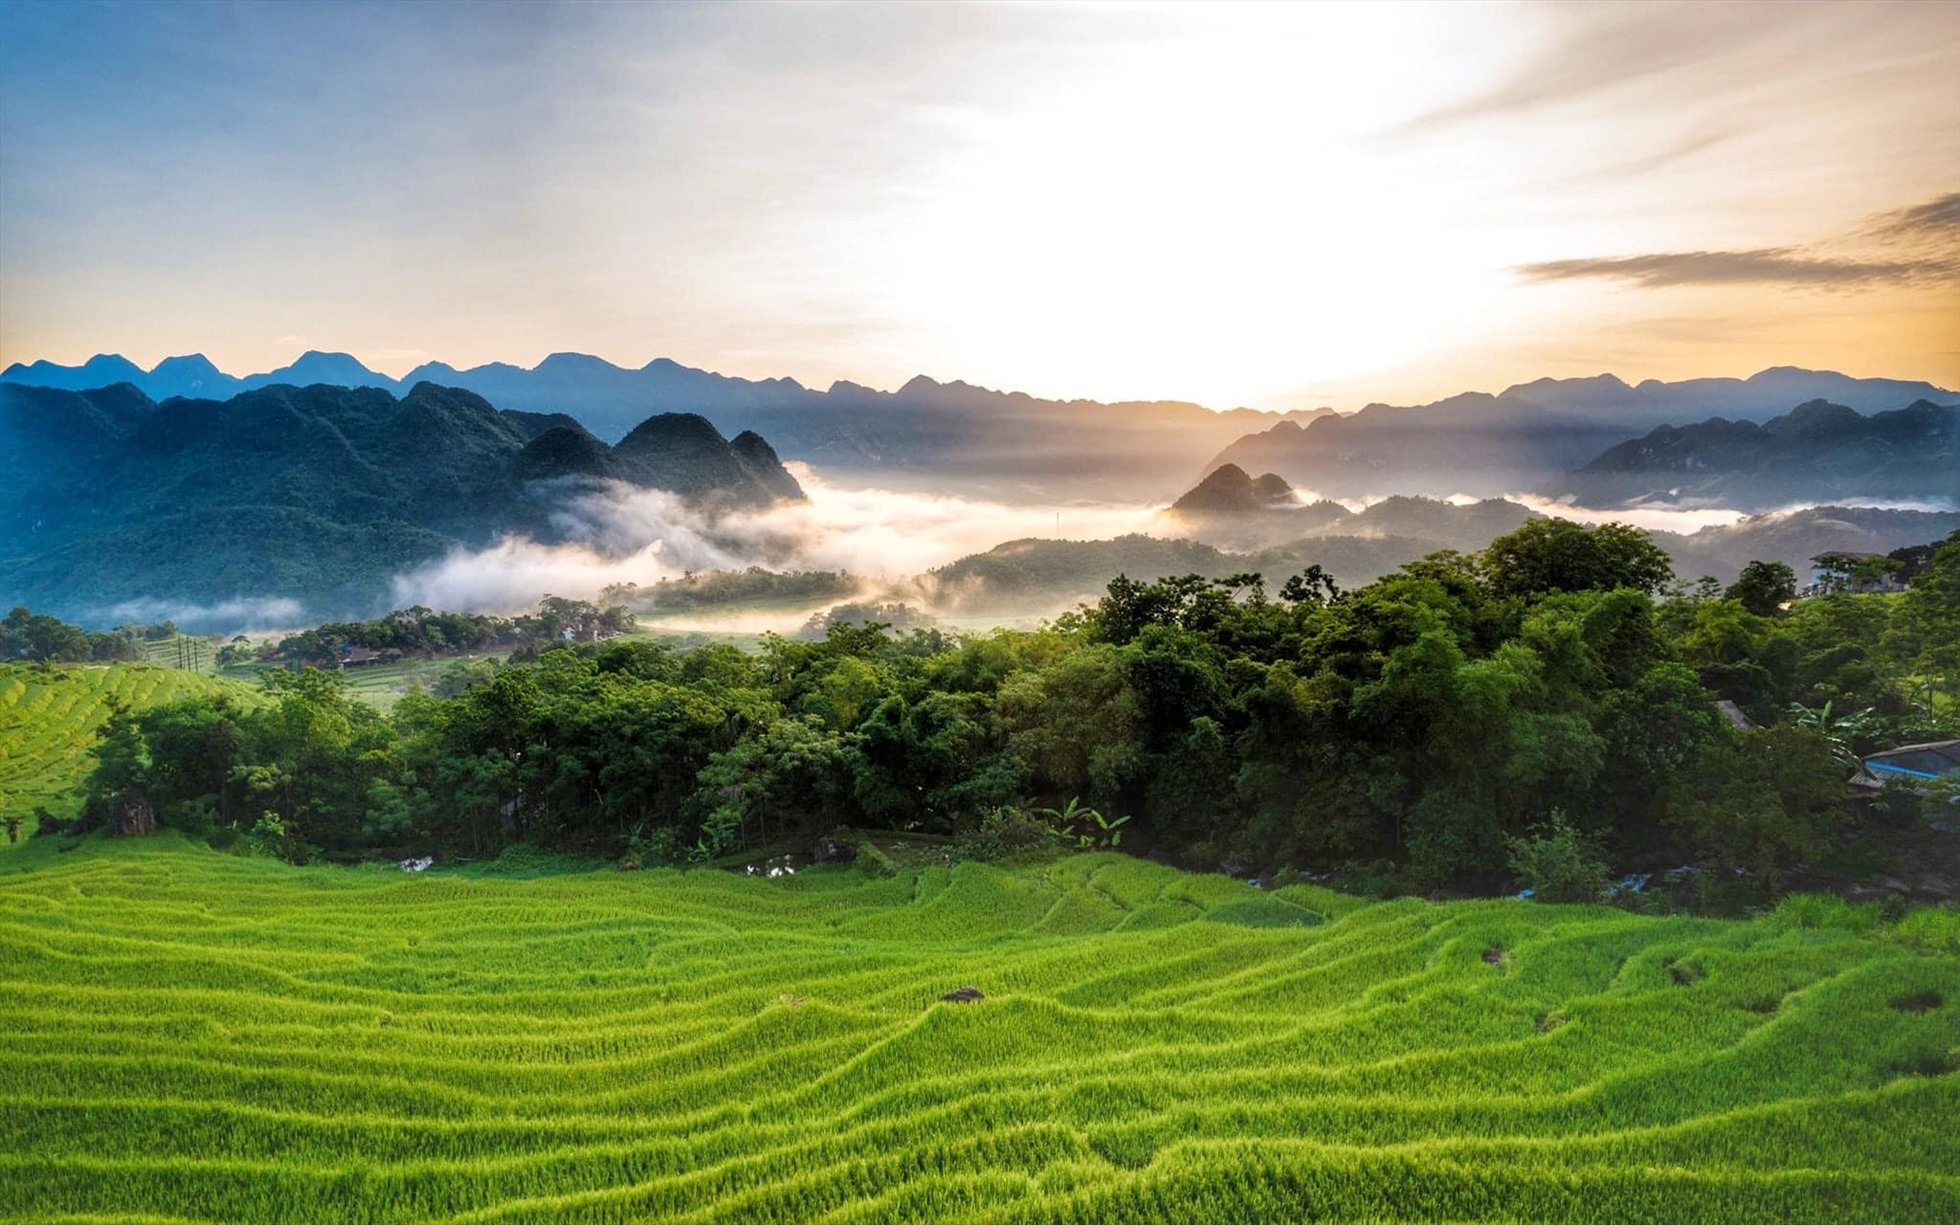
[48, 720]
[196, 1036]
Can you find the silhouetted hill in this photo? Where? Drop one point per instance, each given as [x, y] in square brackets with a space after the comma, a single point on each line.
[1009, 446]
[1817, 451]
[323, 492]
[1530, 436]
[1794, 537]
[1037, 578]
[193, 376]
[935, 436]
[1230, 509]
[339, 369]
[102, 370]
[564, 452]
[1229, 491]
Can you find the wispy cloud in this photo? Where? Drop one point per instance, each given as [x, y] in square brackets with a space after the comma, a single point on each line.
[1937, 219]
[1773, 266]
[1907, 246]
[1599, 50]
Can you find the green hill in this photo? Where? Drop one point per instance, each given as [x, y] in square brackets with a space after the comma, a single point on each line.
[315, 495]
[195, 1036]
[48, 718]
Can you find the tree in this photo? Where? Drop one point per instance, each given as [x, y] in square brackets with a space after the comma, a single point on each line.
[1764, 800]
[1312, 585]
[1547, 555]
[1764, 587]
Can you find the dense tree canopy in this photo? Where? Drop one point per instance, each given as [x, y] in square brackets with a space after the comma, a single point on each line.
[1438, 720]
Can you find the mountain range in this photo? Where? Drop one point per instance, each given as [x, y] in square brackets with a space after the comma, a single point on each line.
[1008, 446]
[1818, 451]
[1231, 510]
[1016, 447]
[318, 494]
[1529, 437]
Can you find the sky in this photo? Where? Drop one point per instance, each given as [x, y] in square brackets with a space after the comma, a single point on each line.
[1264, 205]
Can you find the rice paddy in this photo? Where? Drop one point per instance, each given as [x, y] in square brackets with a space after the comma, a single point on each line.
[49, 717]
[198, 1036]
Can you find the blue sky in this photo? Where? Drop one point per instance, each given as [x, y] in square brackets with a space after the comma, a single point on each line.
[1235, 204]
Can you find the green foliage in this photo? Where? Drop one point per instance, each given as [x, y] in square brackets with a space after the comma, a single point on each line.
[39, 638]
[1558, 863]
[1763, 801]
[1088, 828]
[50, 724]
[1764, 587]
[1006, 832]
[1547, 555]
[1426, 723]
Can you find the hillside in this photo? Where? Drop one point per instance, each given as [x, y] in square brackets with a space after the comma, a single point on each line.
[1796, 537]
[315, 1044]
[49, 717]
[1016, 447]
[1008, 445]
[1816, 452]
[1037, 578]
[312, 494]
[1530, 436]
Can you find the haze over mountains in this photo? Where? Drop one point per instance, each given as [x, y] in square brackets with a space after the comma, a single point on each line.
[321, 482]
[1817, 451]
[316, 494]
[1016, 447]
[1005, 445]
[1529, 436]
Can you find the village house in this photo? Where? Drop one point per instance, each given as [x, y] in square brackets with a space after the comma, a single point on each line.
[1833, 573]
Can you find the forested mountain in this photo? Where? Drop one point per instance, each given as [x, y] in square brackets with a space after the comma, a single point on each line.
[1030, 578]
[1817, 451]
[1019, 447]
[316, 493]
[1530, 436]
[1005, 445]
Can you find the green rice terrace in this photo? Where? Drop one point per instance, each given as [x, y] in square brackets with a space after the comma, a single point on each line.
[195, 1035]
[49, 717]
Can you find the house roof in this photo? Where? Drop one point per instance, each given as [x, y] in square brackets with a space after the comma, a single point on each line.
[1916, 761]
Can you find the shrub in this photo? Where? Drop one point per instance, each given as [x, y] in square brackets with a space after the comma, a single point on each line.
[1003, 832]
[1558, 862]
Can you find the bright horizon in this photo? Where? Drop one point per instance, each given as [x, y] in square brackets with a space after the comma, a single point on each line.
[1269, 207]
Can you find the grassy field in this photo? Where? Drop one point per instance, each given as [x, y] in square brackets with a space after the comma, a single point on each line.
[48, 719]
[196, 1036]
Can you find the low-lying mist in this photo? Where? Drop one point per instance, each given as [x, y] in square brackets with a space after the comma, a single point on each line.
[622, 534]
[888, 539]
[251, 616]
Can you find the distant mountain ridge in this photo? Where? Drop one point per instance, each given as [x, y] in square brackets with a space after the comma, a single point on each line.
[1818, 451]
[1006, 445]
[318, 494]
[1038, 578]
[1530, 436]
[1016, 447]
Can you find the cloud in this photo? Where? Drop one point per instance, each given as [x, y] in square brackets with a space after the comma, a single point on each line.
[623, 534]
[1590, 51]
[1907, 246]
[1769, 266]
[1938, 219]
[226, 614]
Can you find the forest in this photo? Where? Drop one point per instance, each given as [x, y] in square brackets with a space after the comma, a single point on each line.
[1536, 712]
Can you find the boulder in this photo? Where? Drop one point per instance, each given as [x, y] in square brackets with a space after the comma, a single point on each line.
[834, 850]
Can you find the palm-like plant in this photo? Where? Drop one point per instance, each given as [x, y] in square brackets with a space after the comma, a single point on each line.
[1091, 830]
[1839, 729]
